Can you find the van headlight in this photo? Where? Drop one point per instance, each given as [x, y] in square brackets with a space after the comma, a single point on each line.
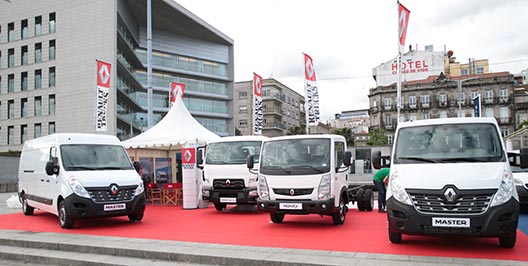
[263, 190]
[140, 188]
[398, 191]
[77, 188]
[505, 191]
[324, 187]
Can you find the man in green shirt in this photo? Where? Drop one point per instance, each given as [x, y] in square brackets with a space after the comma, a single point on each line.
[380, 179]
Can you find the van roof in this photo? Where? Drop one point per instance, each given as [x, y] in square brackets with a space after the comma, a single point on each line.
[314, 136]
[73, 138]
[240, 138]
[451, 120]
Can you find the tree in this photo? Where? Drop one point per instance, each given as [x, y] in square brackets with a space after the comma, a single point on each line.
[296, 130]
[347, 133]
[237, 132]
[523, 124]
[377, 137]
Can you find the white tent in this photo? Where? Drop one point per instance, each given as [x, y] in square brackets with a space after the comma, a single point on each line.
[177, 128]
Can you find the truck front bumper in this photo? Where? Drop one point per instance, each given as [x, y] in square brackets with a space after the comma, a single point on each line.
[83, 207]
[323, 207]
[230, 196]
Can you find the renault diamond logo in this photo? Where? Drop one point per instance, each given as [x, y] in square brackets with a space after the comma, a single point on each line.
[450, 194]
[187, 155]
[292, 192]
[104, 74]
[228, 183]
[114, 190]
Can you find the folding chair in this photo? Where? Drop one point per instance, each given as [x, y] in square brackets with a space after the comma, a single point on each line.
[154, 194]
[172, 194]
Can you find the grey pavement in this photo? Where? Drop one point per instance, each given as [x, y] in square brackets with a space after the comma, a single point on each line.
[25, 248]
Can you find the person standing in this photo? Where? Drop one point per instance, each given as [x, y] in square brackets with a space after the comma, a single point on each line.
[380, 179]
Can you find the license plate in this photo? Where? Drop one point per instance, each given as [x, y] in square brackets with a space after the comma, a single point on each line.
[450, 222]
[290, 206]
[114, 207]
[228, 200]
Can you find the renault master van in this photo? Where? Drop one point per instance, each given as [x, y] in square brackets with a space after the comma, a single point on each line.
[79, 175]
[450, 176]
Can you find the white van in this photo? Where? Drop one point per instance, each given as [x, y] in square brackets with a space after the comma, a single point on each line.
[520, 177]
[225, 178]
[450, 176]
[79, 175]
[304, 174]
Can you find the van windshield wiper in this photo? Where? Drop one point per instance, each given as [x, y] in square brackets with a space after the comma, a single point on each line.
[276, 168]
[418, 159]
[464, 159]
[80, 167]
[307, 166]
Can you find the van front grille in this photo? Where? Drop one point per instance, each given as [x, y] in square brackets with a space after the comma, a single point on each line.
[296, 191]
[435, 202]
[229, 183]
[105, 194]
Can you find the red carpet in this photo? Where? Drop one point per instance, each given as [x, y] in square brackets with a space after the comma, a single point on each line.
[362, 232]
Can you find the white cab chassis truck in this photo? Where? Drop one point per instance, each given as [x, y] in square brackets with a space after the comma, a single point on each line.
[225, 179]
[450, 176]
[306, 174]
[75, 175]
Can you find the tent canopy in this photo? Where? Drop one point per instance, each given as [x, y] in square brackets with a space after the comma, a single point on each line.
[177, 128]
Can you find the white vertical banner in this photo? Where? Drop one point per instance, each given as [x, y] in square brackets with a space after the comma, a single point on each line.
[190, 181]
[103, 91]
[403, 21]
[312, 93]
[258, 116]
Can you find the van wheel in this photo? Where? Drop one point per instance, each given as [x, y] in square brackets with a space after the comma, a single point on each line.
[220, 206]
[26, 209]
[395, 237]
[339, 217]
[359, 200]
[277, 217]
[508, 242]
[65, 219]
[368, 200]
[135, 217]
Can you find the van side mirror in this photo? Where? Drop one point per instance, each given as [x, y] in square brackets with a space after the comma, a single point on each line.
[52, 168]
[250, 162]
[347, 158]
[137, 166]
[379, 161]
[200, 154]
[524, 158]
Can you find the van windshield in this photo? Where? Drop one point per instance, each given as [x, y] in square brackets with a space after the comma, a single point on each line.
[81, 157]
[296, 157]
[232, 152]
[449, 143]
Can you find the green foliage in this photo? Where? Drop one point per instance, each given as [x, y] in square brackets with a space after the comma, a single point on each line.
[237, 132]
[523, 124]
[296, 130]
[377, 137]
[347, 133]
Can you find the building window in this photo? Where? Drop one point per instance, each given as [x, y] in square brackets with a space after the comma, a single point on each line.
[24, 55]
[38, 52]
[11, 57]
[412, 117]
[461, 97]
[412, 101]
[51, 127]
[38, 25]
[442, 99]
[425, 116]
[11, 32]
[387, 103]
[38, 79]
[10, 135]
[504, 115]
[243, 123]
[51, 104]
[23, 133]
[10, 109]
[51, 77]
[389, 139]
[488, 96]
[11, 83]
[243, 109]
[37, 131]
[52, 50]
[461, 113]
[23, 107]
[505, 131]
[242, 95]
[387, 120]
[37, 108]
[425, 100]
[52, 22]
[489, 112]
[24, 29]
[480, 70]
[23, 81]
[474, 94]
[503, 94]
[443, 114]
[464, 72]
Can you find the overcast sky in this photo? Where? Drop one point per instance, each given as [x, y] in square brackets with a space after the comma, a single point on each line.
[347, 39]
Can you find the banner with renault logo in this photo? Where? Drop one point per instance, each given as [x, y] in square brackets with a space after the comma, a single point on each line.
[312, 93]
[103, 92]
[190, 178]
[258, 116]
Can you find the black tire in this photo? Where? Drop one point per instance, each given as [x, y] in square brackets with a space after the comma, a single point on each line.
[359, 200]
[136, 217]
[508, 242]
[340, 216]
[395, 237]
[26, 209]
[65, 219]
[368, 199]
[220, 206]
[277, 217]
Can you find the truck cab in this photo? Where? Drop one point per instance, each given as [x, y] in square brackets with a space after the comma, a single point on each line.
[450, 176]
[303, 174]
[225, 179]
